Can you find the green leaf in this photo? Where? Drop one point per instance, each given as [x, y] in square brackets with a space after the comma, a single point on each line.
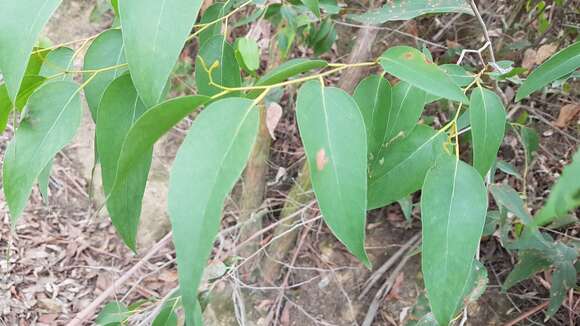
[408, 104]
[119, 109]
[530, 141]
[166, 317]
[487, 117]
[559, 65]
[5, 107]
[212, 13]
[458, 74]
[52, 118]
[57, 61]
[43, 180]
[154, 33]
[287, 70]
[313, 5]
[222, 136]
[114, 313]
[227, 73]
[248, 54]
[373, 97]
[507, 197]
[477, 284]
[28, 86]
[507, 168]
[20, 22]
[402, 167]
[564, 196]
[326, 42]
[453, 206]
[408, 9]
[151, 126]
[564, 278]
[529, 263]
[333, 132]
[410, 65]
[106, 51]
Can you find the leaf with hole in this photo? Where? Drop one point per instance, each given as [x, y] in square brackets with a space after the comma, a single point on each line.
[120, 107]
[401, 168]
[154, 33]
[487, 118]
[20, 22]
[333, 132]
[51, 121]
[223, 135]
[453, 208]
[410, 65]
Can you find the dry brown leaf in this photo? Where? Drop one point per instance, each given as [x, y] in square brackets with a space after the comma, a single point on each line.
[568, 113]
[544, 52]
[529, 59]
[273, 116]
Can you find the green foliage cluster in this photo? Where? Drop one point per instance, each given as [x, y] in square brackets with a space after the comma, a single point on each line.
[364, 151]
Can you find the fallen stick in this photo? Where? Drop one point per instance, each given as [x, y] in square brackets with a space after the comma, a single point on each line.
[528, 314]
[90, 309]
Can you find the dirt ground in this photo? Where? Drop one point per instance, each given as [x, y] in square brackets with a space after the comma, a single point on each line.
[63, 254]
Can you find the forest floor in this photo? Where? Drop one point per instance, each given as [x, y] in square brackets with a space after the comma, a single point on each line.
[63, 255]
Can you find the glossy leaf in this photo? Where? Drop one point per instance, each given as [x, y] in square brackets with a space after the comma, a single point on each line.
[227, 73]
[453, 208]
[120, 107]
[57, 62]
[223, 136]
[248, 54]
[507, 197]
[410, 65]
[373, 97]
[212, 13]
[408, 104]
[558, 66]
[106, 51]
[333, 132]
[149, 128]
[408, 9]
[487, 118]
[564, 196]
[154, 33]
[529, 263]
[20, 22]
[402, 167]
[52, 118]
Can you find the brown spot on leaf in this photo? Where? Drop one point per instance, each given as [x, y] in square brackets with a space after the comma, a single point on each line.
[321, 159]
[408, 56]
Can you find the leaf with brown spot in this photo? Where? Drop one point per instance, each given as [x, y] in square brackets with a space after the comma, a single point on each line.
[321, 159]
[568, 113]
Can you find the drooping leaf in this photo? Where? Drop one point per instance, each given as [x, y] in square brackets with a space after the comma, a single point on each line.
[227, 73]
[564, 196]
[106, 51]
[408, 9]
[507, 168]
[52, 118]
[453, 208]
[248, 54]
[529, 263]
[408, 104]
[120, 107]
[57, 62]
[20, 22]
[223, 136]
[507, 197]
[488, 118]
[313, 5]
[333, 132]
[410, 65]
[402, 167]
[148, 128]
[212, 13]
[558, 66]
[287, 70]
[531, 141]
[373, 97]
[154, 33]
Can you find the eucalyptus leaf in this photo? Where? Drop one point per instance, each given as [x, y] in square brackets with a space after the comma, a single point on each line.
[453, 208]
[313, 5]
[119, 109]
[507, 197]
[212, 13]
[57, 61]
[559, 65]
[397, 10]
[20, 22]
[223, 136]
[487, 118]
[333, 132]
[248, 54]
[529, 263]
[411, 65]
[227, 73]
[154, 32]
[408, 104]
[51, 121]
